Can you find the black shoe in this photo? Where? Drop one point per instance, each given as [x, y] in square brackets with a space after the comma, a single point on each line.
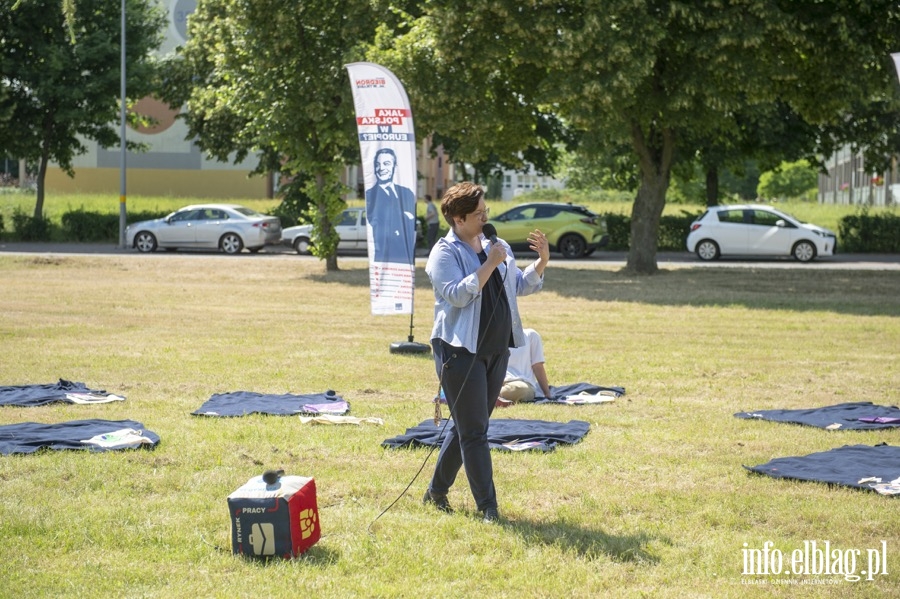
[491, 515]
[439, 501]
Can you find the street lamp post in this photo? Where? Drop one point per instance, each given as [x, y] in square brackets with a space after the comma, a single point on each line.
[122, 210]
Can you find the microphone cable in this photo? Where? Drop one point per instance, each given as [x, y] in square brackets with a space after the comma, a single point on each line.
[449, 407]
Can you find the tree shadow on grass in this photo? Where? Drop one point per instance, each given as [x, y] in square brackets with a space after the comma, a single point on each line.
[359, 277]
[868, 293]
[857, 292]
[585, 542]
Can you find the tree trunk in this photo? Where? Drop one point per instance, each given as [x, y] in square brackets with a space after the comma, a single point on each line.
[325, 224]
[41, 176]
[712, 186]
[645, 214]
[655, 150]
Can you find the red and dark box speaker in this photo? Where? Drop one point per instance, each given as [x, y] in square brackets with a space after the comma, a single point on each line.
[278, 518]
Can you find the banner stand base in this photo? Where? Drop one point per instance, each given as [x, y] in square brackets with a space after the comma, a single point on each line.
[410, 347]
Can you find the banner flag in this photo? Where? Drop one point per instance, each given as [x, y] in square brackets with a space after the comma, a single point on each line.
[896, 57]
[387, 145]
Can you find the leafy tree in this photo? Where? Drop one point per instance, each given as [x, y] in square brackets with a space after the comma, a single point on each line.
[268, 76]
[791, 180]
[57, 89]
[666, 80]
[739, 182]
[480, 104]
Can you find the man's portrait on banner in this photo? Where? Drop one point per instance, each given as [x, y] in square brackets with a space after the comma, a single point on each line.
[391, 211]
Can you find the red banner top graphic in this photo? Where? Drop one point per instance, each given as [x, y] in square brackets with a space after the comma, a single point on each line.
[385, 116]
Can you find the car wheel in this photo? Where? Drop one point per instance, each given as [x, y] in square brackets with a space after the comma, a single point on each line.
[804, 251]
[707, 250]
[301, 245]
[231, 243]
[572, 246]
[145, 242]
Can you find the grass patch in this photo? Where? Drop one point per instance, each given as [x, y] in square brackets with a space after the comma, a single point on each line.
[653, 503]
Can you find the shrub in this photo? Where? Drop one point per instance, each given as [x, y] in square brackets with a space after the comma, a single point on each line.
[295, 203]
[673, 230]
[619, 228]
[790, 180]
[864, 232]
[29, 228]
[80, 225]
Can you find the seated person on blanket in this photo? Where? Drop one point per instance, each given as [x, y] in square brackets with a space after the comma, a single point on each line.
[526, 378]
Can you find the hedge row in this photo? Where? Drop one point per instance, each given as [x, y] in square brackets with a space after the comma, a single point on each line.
[866, 233]
[673, 231]
[858, 233]
[80, 225]
[77, 225]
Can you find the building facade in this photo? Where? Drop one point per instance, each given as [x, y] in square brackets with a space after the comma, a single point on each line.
[849, 181]
[175, 166]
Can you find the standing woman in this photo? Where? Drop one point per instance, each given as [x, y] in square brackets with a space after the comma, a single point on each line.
[476, 321]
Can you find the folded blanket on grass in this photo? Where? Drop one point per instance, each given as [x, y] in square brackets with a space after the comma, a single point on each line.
[504, 434]
[581, 393]
[93, 435]
[67, 391]
[861, 415]
[875, 468]
[241, 403]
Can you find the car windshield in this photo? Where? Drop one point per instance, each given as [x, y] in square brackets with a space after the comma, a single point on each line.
[791, 216]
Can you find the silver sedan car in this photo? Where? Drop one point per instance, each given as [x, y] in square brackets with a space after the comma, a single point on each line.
[226, 227]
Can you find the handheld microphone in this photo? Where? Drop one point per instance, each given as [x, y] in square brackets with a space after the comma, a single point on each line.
[490, 231]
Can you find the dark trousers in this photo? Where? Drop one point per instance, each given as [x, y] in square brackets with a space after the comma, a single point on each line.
[471, 385]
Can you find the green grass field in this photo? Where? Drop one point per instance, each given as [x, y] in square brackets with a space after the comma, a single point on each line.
[654, 502]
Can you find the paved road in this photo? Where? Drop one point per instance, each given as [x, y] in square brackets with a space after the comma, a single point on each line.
[889, 262]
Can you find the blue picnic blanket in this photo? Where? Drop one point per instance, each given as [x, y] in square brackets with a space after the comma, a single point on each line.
[861, 415]
[36, 395]
[241, 403]
[504, 434]
[860, 466]
[92, 435]
[559, 393]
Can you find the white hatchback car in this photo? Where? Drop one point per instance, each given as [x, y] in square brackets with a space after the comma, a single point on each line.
[757, 230]
[351, 229]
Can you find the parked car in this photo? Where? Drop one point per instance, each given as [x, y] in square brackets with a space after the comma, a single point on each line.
[573, 231]
[227, 227]
[757, 230]
[351, 229]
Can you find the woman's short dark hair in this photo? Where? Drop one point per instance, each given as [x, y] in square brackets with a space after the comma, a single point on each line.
[460, 200]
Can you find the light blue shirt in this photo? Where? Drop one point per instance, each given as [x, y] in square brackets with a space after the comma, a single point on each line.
[457, 299]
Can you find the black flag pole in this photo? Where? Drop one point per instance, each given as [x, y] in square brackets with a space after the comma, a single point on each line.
[410, 346]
